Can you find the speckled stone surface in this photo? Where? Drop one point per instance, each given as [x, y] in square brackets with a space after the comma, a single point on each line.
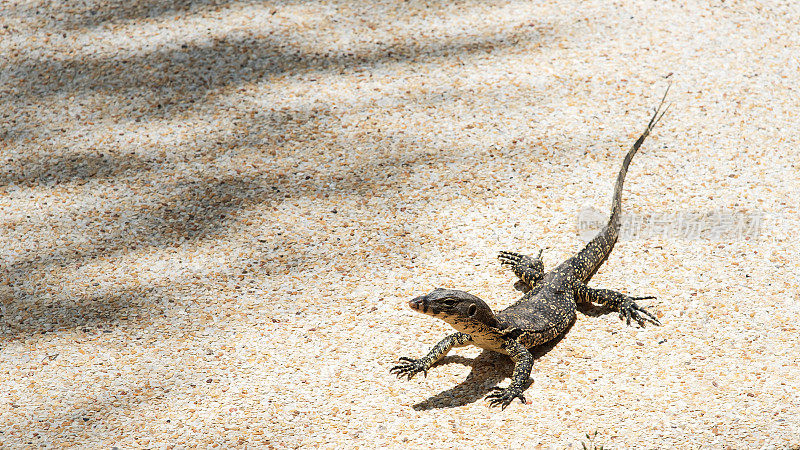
[214, 213]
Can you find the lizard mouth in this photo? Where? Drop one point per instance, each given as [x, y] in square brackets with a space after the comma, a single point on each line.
[419, 304]
[423, 304]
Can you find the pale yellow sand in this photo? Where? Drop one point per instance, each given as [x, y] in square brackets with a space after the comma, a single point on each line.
[214, 213]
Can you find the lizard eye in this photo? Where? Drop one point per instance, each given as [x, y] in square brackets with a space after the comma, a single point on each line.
[450, 302]
[472, 310]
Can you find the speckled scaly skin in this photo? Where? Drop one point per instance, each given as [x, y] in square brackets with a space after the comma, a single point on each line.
[543, 313]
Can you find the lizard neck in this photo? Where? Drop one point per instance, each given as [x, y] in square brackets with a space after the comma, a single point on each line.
[487, 336]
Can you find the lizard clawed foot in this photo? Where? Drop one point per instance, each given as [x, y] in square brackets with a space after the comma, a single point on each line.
[529, 270]
[504, 396]
[630, 310]
[509, 257]
[513, 258]
[408, 367]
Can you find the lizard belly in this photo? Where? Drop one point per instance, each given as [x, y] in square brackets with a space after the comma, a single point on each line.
[488, 341]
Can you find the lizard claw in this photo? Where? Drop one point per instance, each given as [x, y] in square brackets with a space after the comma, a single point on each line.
[513, 258]
[630, 310]
[504, 396]
[408, 367]
[529, 270]
[510, 258]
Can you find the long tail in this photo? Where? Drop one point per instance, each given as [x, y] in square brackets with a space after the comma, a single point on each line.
[588, 260]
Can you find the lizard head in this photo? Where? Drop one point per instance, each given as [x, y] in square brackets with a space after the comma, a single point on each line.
[463, 311]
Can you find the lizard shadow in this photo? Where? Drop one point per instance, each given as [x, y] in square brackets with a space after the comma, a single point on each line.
[592, 310]
[488, 369]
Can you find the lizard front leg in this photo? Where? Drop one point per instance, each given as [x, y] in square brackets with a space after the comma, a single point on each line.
[529, 270]
[523, 364]
[625, 304]
[409, 367]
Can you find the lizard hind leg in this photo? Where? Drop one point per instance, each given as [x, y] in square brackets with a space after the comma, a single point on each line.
[624, 304]
[529, 270]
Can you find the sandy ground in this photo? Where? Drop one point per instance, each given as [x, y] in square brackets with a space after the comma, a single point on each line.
[213, 215]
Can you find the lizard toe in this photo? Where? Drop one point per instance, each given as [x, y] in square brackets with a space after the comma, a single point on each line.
[504, 396]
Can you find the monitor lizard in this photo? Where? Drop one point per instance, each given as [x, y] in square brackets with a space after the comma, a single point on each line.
[545, 311]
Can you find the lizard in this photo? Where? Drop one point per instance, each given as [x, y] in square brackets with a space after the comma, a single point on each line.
[547, 308]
